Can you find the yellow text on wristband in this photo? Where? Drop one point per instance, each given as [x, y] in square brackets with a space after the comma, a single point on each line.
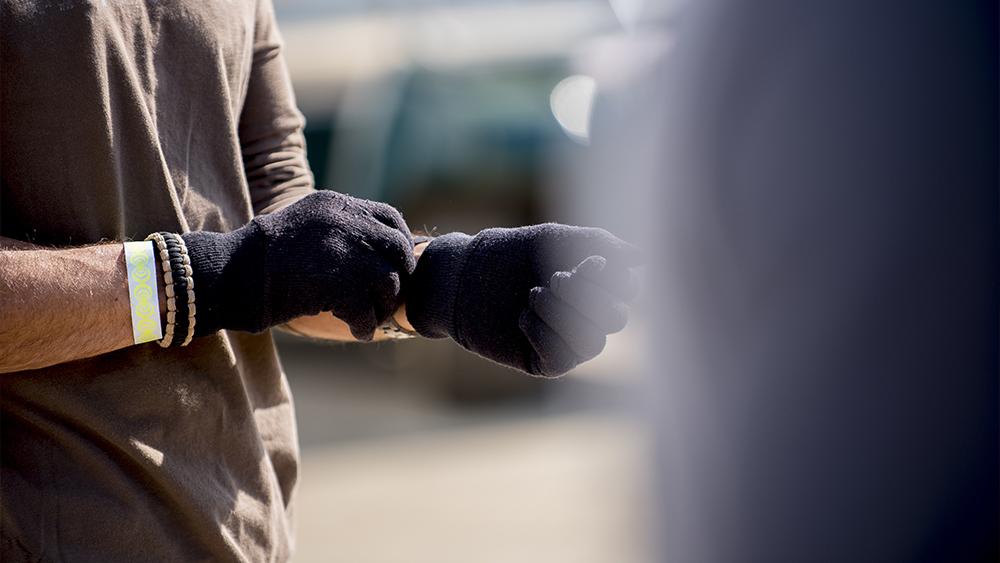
[142, 294]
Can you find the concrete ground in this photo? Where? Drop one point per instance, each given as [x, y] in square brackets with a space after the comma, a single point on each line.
[392, 473]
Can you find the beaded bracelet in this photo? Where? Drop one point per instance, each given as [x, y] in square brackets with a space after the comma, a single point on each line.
[179, 287]
[187, 275]
[181, 273]
[178, 290]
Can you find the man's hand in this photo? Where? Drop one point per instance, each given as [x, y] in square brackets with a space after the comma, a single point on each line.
[540, 299]
[326, 252]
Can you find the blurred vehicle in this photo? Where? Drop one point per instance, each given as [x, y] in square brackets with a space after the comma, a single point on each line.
[444, 110]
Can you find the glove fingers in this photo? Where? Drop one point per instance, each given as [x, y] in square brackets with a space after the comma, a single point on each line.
[384, 293]
[605, 310]
[564, 247]
[581, 335]
[390, 216]
[620, 281]
[551, 355]
[617, 251]
[360, 317]
[584, 338]
[395, 246]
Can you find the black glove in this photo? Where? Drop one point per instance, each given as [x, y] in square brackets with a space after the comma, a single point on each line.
[540, 299]
[326, 252]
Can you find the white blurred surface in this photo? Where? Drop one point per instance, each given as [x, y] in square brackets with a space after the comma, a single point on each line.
[567, 489]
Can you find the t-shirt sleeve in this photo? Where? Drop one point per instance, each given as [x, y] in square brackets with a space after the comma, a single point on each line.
[270, 129]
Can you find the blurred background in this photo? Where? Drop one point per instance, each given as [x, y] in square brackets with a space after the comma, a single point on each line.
[814, 375]
[464, 115]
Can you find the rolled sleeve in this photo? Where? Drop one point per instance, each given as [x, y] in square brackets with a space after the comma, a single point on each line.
[271, 126]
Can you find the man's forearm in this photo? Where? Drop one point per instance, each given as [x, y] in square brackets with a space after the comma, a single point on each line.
[59, 305]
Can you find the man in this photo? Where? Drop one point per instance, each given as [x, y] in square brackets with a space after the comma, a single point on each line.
[123, 119]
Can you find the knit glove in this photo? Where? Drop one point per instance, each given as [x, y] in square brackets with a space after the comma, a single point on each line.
[326, 252]
[540, 299]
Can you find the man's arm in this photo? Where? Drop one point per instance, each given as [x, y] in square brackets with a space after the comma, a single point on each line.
[271, 126]
[59, 305]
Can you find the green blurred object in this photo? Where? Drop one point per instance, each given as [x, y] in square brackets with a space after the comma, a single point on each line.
[459, 150]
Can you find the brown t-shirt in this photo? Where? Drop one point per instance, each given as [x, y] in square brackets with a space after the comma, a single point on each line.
[119, 118]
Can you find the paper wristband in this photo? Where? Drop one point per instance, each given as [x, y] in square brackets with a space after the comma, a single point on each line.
[142, 294]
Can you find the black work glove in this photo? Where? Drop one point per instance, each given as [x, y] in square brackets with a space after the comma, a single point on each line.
[540, 299]
[326, 252]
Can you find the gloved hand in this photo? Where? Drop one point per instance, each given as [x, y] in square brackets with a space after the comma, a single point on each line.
[540, 299]
[326, 252]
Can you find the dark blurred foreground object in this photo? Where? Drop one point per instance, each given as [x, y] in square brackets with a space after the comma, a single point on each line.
[830, 242]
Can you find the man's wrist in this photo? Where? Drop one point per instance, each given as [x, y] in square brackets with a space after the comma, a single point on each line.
[400, 315]
[435, 283]
[226, 269]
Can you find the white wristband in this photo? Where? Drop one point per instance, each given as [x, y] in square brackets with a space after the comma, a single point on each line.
[144, 301]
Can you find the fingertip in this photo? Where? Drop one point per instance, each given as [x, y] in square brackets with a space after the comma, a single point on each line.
[615, 249]
[401, 251]
[557, 280]
[534, 295]
[363, 328]
[389, 216]
[620, 280]
[366, 336]
[385, 295]
[591, 265]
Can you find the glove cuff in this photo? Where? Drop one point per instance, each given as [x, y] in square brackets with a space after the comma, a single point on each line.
[435, 284]
[217, 284]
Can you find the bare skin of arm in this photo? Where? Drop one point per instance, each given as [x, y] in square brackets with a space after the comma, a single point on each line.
[60, 305]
